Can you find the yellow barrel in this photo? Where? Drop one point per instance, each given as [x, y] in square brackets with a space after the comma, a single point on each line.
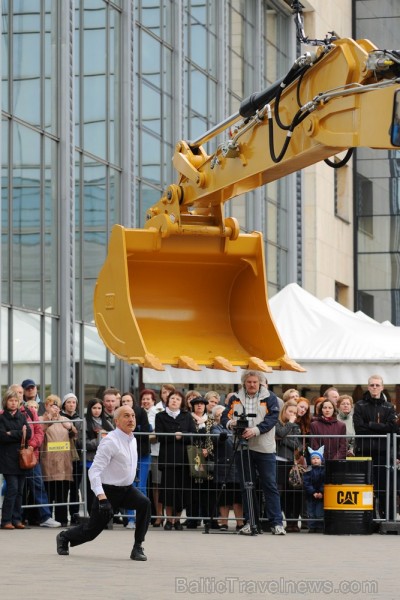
[348, 497]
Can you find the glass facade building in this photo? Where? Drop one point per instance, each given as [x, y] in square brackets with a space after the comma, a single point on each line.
[95, 94]
[377, 190]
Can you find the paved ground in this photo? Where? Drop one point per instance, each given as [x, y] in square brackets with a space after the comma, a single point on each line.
[190, 564]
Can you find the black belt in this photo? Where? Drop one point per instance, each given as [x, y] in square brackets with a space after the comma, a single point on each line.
[122, 488]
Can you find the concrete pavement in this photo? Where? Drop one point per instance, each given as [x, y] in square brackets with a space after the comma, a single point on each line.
[191, 564]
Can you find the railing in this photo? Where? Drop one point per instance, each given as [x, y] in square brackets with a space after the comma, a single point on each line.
[203, 496]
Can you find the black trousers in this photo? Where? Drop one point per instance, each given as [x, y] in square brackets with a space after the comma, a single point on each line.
[120, 497]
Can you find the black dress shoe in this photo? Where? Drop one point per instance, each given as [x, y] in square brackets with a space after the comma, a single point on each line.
[138, 554]
[62, 544]
[178, 526]
[168, 526]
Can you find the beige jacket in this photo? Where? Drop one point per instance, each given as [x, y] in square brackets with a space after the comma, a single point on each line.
[56, 464]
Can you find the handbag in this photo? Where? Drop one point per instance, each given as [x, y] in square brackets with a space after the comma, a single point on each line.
[74, 452]
[197, 463]
[295, 477]
[27, 457]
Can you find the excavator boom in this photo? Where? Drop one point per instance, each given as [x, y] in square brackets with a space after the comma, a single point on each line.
[189, 289]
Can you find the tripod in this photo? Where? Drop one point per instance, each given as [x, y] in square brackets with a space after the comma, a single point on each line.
[240, 448]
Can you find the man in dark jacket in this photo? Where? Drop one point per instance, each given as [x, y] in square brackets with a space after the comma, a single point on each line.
[374, 416]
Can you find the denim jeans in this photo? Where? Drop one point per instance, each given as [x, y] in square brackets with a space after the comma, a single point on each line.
[249, 463]
[315, 510]
[12, 503]
[38, 492]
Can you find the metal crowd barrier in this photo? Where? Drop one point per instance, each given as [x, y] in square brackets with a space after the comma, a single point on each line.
[198, 495]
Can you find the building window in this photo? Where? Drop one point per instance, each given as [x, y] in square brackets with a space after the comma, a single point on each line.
[342, 193]
[364, 198]
[341, 293]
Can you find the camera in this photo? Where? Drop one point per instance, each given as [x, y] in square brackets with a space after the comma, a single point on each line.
[242, 422]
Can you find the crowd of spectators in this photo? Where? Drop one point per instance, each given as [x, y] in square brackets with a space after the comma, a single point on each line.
[172, 430]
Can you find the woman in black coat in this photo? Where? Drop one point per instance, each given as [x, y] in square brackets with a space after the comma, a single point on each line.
[173, 463]
[12, 425]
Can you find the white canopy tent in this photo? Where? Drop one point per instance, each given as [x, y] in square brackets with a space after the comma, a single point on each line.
[27, 347]
[332, 343]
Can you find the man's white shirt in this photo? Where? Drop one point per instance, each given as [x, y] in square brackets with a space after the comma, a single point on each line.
[115, 461]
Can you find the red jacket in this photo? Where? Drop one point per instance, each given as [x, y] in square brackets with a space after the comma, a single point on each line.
[335, 448]
[37, 437]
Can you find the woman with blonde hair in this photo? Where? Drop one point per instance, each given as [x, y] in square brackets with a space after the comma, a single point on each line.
[287, 446]
[13, 425]
[290, 394]
[213, 399]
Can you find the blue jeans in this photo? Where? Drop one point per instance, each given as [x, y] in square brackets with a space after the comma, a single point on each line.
[250, 462]
[12, 503]
[36, 487]
[140, 482]
[315, 510]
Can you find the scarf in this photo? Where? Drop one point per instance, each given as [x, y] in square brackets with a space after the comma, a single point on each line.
[97, 421]
[344, 416]
[201, 419]
[171, 413]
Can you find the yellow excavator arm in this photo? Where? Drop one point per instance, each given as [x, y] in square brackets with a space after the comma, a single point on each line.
[189, 289]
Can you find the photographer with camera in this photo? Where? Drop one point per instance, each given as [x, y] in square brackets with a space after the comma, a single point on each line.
[252, 414]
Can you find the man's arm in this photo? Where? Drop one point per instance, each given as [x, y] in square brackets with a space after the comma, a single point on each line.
[102, 459]
[37, 431]
[360, 426]
[227, 417]
[271, 414]
[388, 424]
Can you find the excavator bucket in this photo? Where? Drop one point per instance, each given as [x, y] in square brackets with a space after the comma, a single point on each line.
[187, 301]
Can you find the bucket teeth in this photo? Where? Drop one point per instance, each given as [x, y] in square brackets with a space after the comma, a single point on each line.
[186, 362]
[288, 364]
[152, 362]
[258, 365]
[220, 362]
